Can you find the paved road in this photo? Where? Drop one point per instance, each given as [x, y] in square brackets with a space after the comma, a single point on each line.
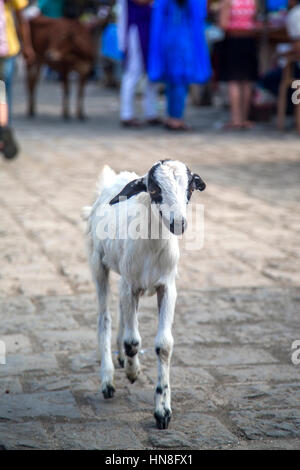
[233, 381]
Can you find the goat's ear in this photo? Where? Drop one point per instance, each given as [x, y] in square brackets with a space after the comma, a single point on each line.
[131, 189]
[198, 182]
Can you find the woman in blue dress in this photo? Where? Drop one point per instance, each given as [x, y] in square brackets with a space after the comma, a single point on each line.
[178, 53]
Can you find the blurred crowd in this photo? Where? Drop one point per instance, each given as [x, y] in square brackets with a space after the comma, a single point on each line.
[245, 51]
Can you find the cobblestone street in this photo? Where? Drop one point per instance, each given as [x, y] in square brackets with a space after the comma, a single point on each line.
[233, 381]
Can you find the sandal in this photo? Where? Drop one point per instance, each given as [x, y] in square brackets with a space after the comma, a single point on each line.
[134, 123]
[9, 146]
[232, 126]
[248, 125]
[181, 127]
[154, 121]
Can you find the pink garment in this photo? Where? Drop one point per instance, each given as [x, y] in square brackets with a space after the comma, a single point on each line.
[242, 15]
[3, 36]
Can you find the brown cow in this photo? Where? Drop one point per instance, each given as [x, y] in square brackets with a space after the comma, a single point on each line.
[65, 45]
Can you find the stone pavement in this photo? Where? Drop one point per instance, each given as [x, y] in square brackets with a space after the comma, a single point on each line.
[233, 381]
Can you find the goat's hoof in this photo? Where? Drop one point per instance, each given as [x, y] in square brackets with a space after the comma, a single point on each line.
[163, 419]
[131, 379]
[108, 391]
[121, 362]
[132, 376]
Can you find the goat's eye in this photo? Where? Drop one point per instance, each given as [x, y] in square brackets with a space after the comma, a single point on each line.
[154, 191]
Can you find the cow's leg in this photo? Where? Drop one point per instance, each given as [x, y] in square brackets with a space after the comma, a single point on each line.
[66, 95]
[166, 298]
[131, 337]
[100, 275]
[33, 71]
[80, 95]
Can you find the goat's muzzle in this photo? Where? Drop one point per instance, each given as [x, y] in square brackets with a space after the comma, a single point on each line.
[177, 227]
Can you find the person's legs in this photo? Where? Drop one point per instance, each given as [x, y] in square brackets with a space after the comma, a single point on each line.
[9, 70]
[246, 102]
[150, 100]
[176, 97]
[8, 145]
[235, 98]
[271, 81]
[133, 72]
[3, 102]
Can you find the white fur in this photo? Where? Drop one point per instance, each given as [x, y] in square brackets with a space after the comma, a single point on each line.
[145, 265]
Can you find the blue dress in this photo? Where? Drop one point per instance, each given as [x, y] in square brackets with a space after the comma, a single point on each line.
[178, 52]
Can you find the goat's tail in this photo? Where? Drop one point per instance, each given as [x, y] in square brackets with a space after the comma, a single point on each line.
[105, 178]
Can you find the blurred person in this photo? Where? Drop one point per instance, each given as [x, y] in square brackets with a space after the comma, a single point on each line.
[133, 37]
[14, 26]
[10, 30]
[7, 143]
[178, 52]
[238, 57]
[270, 82]
[293, 25]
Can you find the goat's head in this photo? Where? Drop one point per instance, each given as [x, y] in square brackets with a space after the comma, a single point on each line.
[170, 185]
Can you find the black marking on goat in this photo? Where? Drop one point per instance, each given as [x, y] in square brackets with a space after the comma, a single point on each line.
[190, 187]
[131, 189]
[198, 182]
[163, 419]
[154, 189]
[157, 350]
[108, 391]
[129, 348]
[159, 390]
[194, 182]
[121, 362]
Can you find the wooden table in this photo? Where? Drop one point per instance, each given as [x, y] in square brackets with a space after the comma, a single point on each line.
[269, 37]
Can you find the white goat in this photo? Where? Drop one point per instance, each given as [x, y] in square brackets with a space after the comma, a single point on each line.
[144, 263]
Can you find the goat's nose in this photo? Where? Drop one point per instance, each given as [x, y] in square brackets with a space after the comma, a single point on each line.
[178, 227]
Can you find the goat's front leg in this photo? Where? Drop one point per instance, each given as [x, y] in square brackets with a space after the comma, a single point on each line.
[120, 343]
[131, 337]
[100, 274]
[166, 299]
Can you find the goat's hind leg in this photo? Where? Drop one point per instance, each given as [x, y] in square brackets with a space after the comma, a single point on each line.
[121, 355]
[131, 337]
[104, 331]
